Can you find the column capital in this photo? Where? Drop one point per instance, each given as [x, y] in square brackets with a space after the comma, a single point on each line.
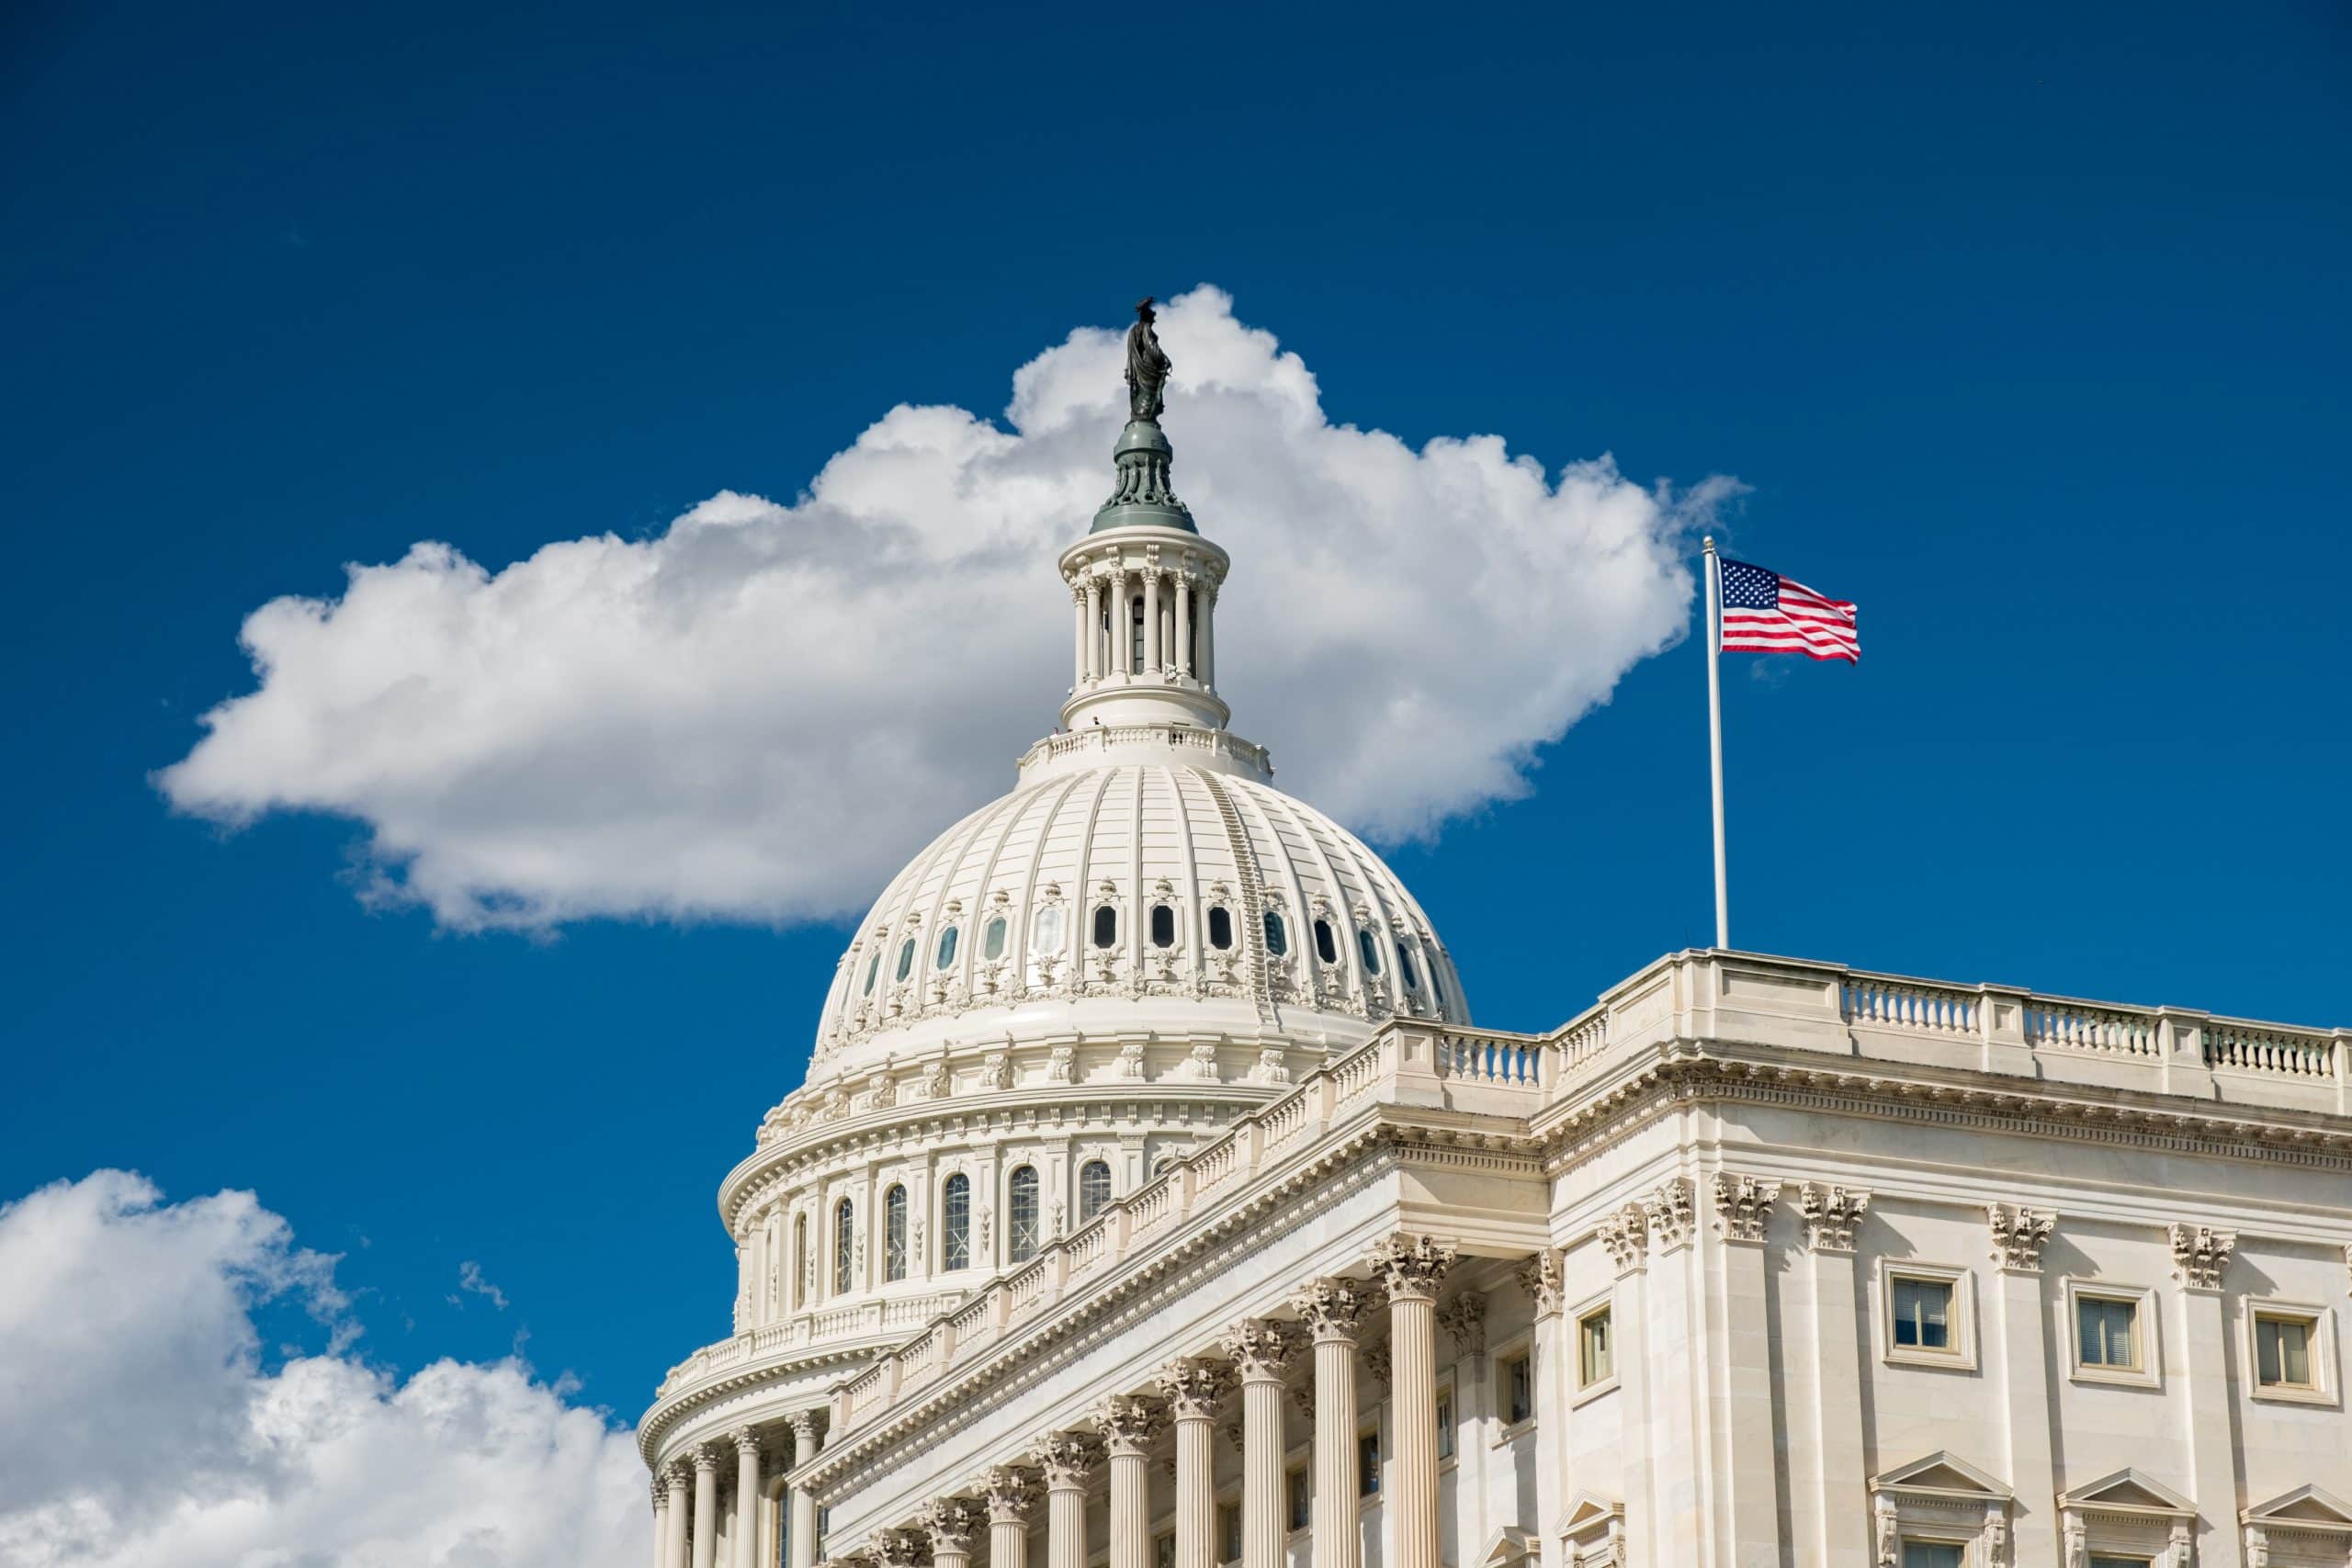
[1743, 1204]
[1670, 1211]
[951, 1522]
[1464, 1317]
[901, 1549]
[1194, 1387]
[1331, 1308]
[661, 1493]
[1626, 1235]
[1541, 1278]
[1832, 1214]
[706, 1456]
[2200, 1254]
[746, 1441]
[1260, 1348]
[807, 1434]
[1412, 1267]
[1129, 1422]
[679, 1473]
[1067, 1458]
[1011, 1490]
[2018, 1236]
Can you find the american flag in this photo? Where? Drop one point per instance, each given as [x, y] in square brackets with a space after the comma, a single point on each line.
[1766, 613]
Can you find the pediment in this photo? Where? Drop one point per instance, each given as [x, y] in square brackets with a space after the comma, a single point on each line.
[1939, 1472]
[1508, 1546]
[2304, 1506]
[1588, 1511]
[2128, 1490]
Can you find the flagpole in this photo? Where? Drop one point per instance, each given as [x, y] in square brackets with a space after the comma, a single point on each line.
[1716, 734]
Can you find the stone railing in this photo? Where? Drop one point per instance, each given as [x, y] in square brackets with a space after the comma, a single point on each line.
[866, 1320]
[1509, 1074]
[1178, 736]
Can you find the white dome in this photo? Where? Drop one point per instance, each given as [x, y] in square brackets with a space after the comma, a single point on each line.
[1140, 880]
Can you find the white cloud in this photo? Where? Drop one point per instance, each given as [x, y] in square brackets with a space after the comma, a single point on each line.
[761, 713]
[469, 1280]
[143, 1425]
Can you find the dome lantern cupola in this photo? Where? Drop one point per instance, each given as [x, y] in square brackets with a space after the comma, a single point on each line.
[1144, 582]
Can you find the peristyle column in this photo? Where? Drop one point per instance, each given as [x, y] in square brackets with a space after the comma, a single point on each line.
[951, 1523]
[1262, 1350]
[746, 1531]
[679, 1475]
[661, 1524]
[1010, 1493]
[1092, 661]
[1410, 1269]
[1183, 623]
[1129, 1425]
[1193, 1387]
[1151, 646]
[1066, 1458]
[706, 1506]
[807, 1439]
[1331, 1310]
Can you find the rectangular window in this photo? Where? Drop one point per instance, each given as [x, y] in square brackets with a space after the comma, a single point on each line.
[1932, 1554]
[1922, 1312]
[1302, 1501]
[2105, 1561]
[1229, 1532]
[1163, 1551]
[1595, 1360]
[2282, 1350]
[1518, 1391]
[1444, 1424]
[2107, 1331]
[1368, 1463]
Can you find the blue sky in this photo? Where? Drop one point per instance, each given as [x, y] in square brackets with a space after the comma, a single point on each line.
[2024, 329]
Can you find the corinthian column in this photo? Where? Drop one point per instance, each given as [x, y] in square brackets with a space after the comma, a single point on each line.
[1129, 1425]
[807, 1438]
[1410, 1269]
[661, 1524]
[1261, 1351]
[1010, 1492]
[744, 1530]
[951, 1523]
[1184, 623]
[1092, 665]
[1332, 1309]
[674, 1553]
[1193, 1387]
[706, 1506]
[1152, 652]
[1066, 1458]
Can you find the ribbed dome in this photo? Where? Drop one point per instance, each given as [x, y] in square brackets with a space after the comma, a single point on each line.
[1146, 896]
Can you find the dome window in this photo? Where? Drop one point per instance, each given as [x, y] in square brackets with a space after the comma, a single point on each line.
[1405, 968]
[894, 1234]
[947, 947]
[1369, 949]
[1221, 928]
[1106, 926]
[906, 958]
[1277, 935]
[1094, 1189]
[1023, 1235]
[992, 939]
[873, 971]
[1437, 987]
[1326, 946]
[956, 1223]
[1049, 929]
[844, 1246]
[1163, 926]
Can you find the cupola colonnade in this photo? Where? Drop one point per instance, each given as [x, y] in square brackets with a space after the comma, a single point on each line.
[1143, 606]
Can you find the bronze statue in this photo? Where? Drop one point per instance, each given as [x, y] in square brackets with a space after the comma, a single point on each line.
[1147, 367]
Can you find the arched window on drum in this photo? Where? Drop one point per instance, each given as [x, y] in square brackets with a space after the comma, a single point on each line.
[1093, 1189]
[844, 1244]
[956, 1223]
[894, 1234]
[799, 1262]
[1022, 1232]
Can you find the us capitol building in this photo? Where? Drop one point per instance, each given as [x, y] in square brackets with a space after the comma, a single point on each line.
[1152, 1200]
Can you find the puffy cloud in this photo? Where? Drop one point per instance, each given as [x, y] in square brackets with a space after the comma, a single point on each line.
[143, 1425]
[760, 713]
